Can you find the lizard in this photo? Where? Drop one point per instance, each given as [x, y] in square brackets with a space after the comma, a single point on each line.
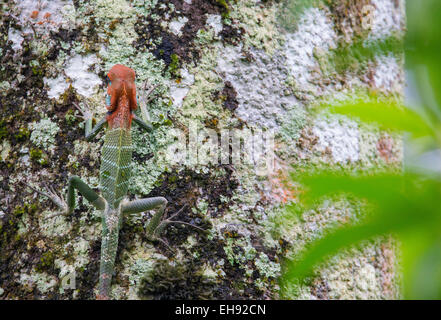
[121, 101]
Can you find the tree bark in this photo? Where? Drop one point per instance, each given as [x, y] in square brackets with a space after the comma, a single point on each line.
[223, 70]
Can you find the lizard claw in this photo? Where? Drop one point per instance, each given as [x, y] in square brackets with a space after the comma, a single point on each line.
[155, 238]
[170, 221]
[55, 198]
[146, 92]
[166, 245]
[145, 97]
[86, 114]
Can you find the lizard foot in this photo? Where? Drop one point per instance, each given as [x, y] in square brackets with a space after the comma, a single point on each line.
[55, 198]
[144, 97]
[164, 242]
[86, 114]
[169, 220]
[146, 92]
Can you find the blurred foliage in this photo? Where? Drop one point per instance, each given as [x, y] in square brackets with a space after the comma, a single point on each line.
[405, 204]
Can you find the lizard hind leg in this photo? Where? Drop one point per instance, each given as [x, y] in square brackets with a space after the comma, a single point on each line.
[157, 224]
[140, 205]
[67, 206]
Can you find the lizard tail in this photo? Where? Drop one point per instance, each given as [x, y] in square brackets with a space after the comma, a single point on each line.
[109, 246]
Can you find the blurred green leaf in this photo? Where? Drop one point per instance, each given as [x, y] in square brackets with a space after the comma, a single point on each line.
[402, 204]
[421, 261]
[405, 204]
[423, 43]
[390, 116]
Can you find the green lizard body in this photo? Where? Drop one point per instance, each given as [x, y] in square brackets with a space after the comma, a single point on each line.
[115, 172]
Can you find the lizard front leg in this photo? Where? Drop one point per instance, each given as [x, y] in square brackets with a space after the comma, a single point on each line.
[86, 114]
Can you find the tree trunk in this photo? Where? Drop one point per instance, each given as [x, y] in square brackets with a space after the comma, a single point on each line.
[226, 72]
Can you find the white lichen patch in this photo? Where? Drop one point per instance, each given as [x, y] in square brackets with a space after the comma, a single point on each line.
[83, 80]
[209, 273]
[78, 71]
[43, 133]
[387, 18]
[57, 86]
[107, 10]
[45, 15]
[338, 278]
[262, 92]
[214, 21]
[16, 37]
[5, 148]
[54, 227]
[178, 91]
[353, 277]
[267, 268]
[139, 269]
[389, 76]
[314, 33]
[139, 265]
[199, 100]
[259, 23]
[239, 258]
[81, 251]
[176, 26]
[41, 281]
[340, 137]
[4, 86]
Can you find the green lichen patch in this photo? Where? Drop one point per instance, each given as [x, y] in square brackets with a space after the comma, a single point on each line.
[43, 133]
[47, 260]
[258, 24]
[38, 156]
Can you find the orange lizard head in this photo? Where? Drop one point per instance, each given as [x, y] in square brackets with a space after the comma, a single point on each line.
[121, 85]
[121, 96]
[121, 72]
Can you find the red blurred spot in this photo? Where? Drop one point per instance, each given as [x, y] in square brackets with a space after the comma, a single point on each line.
[47, 15]
[34, 14]
[385, 147]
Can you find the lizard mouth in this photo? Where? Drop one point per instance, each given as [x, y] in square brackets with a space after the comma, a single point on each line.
[111, 110]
